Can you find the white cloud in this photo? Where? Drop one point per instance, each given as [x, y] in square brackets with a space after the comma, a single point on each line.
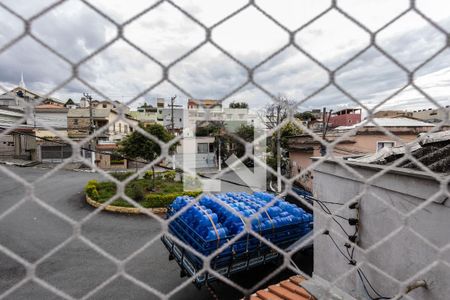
[121, 72]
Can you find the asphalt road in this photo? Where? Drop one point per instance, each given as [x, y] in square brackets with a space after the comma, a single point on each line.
[31, 231]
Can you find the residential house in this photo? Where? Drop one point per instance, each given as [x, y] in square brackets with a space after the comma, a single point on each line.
[179, 116]
[235, 117]
[211, 110]
[20, 97]
[79, 125]
[10, 115]
[19, 143]
[50, 124]
[71, 104]
[362, 139]
[380, 213]
[145, 114]
[432, 115]
[201, 110]
[160, 105]
[196, 153]
[345, 117]
[204, 103]
[392, 114]
[84, 103]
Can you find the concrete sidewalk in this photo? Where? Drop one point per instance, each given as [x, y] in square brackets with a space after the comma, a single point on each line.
[18, 162]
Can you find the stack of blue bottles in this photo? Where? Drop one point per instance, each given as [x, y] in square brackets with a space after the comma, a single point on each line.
[212, 221]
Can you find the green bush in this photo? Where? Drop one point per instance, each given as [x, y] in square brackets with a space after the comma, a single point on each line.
[164, 175]
[103, 191]
[170, 175]
[121, 175]
[135, 190]
[162, 200]
[91, 189]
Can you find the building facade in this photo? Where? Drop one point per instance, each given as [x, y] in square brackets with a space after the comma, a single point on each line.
[345, 117]
[432, 115]
[364, 139]
[381, 210]
[79, 123]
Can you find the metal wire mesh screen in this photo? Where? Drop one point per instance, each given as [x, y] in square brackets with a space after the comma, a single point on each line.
[399, 227]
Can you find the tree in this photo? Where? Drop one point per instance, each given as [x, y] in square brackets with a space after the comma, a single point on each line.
[305, 116]
[210, 128]
[273, 115]
[137, 145]
[289, 129]
[247, 133]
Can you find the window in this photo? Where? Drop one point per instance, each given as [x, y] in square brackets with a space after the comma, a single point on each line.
[120, 127]
[211, 148]
[104, 105]
[202, 148]
[75, 122]
[385, 144]
[125, 128]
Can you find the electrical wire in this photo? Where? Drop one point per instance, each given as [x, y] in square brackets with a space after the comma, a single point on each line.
[351, 261]
[328, 211]
[371, 287]
[337, 247]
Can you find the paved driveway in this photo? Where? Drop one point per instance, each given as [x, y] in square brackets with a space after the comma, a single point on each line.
[31, 231]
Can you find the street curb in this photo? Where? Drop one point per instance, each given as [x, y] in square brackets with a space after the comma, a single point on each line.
[125, 210]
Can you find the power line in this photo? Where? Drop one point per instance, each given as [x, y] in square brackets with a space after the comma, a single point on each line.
[351, 261]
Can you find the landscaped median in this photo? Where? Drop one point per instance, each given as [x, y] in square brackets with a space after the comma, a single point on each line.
[152, 193]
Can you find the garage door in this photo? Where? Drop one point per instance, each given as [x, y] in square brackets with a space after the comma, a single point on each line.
[56, 152]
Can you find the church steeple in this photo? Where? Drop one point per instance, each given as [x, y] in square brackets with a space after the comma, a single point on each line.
[22, 82]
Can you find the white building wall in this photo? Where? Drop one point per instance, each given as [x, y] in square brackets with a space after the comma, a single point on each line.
[187, 153]
[179, 114]
[52, 119]
[382, 206]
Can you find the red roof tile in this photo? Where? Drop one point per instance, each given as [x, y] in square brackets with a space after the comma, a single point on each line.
[295, 288]
[266, 295]
[284, 293]
[55, 106]
[289, 289]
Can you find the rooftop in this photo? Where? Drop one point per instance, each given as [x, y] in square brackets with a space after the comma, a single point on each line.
[50, 107]
[389, 122]
[432, 150]
[96, 113]
[84, 113]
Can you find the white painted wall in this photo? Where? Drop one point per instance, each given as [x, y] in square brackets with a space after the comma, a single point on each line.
[381, 208]
[52, 119]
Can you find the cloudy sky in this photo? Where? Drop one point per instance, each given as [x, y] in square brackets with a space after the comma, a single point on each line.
[120, 71]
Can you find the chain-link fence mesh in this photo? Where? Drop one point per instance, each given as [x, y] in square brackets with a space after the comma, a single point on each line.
[358, 257]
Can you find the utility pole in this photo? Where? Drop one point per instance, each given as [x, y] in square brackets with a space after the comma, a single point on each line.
[172, 125]
[279, 148]
[172, 100]
[325, 122]
[92, 144]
